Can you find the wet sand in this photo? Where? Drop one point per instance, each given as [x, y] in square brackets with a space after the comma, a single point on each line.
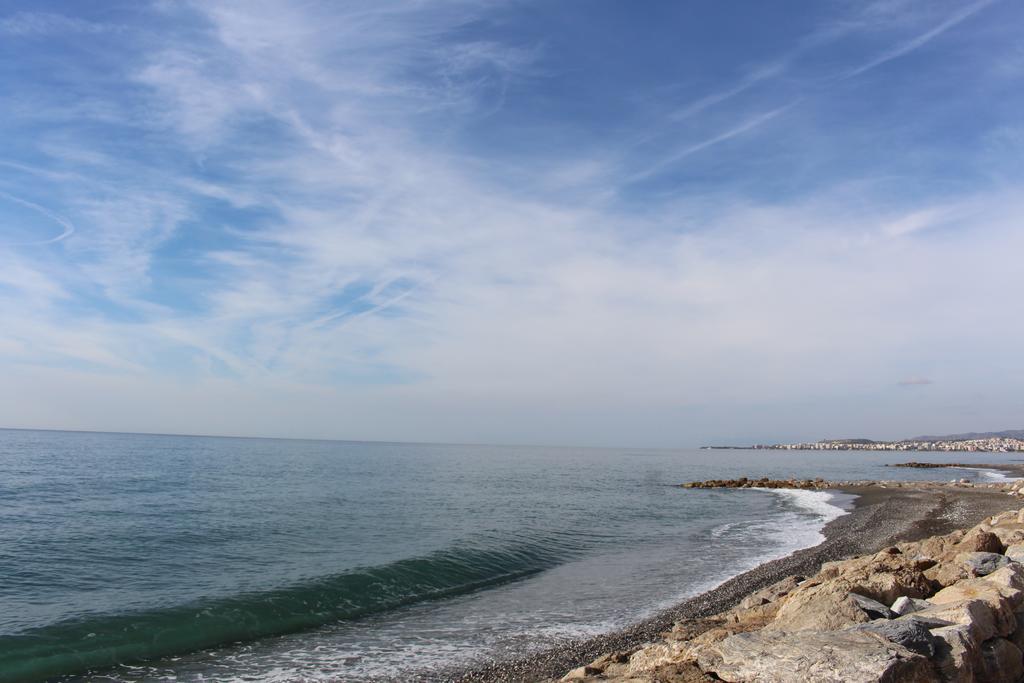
[880, 517]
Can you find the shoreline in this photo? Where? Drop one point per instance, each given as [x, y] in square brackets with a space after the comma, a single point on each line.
[882, 515]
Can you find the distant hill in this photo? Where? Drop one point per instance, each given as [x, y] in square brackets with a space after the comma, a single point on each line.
[1008, 434]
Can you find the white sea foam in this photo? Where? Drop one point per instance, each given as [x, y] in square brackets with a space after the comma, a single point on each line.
[996, 476]
[818, 502]
[782, 535]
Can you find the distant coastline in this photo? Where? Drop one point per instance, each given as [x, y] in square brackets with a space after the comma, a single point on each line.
[1011, 441]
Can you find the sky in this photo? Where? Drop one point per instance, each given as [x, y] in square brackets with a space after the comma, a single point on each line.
[574, 222]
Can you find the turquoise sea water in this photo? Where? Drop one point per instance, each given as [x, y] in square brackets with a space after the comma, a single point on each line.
[141, 557]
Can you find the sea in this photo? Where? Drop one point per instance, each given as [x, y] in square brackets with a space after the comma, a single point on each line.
[131, 557]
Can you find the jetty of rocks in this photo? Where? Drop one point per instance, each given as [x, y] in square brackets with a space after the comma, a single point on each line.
[1011, 487]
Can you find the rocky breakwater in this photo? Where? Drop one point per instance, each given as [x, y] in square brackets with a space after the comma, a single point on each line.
[1011, 487]
[947, 608]
[762, 483]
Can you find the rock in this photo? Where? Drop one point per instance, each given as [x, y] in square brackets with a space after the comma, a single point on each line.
[772, 593]
[935, 546]
[982, 564]
[1010, 581]
[1017, 637]
[928, 621]
[581, 673]
[825, 657]
[966, 565]
[1001, 661]
[987, 607]
[884, 576]
[872, 608]
[958, 655]
[981, 541]
[1008, 533]
[685, 672]
[819, 606]
[823, 602]
[1015, 552]
[907, 605]
[912, 634]
[976, 614]
[612, 658]
[654, 656]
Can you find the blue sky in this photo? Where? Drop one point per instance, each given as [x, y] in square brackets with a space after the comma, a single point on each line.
[578, 222]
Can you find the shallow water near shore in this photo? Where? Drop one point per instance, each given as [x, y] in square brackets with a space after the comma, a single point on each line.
[140, 557]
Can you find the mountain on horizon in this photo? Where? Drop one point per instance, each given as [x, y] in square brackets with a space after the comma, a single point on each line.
[1008, 434]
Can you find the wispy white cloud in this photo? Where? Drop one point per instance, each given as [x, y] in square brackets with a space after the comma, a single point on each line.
[28, 24]
[756, 77]
[67, 229]
[919, 40]
[746, 126]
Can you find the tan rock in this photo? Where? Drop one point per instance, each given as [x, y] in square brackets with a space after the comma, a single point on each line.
[824, 657]
[823, 602]
[1008, 533]
[653, 657]
[581, 673]
[1010, 577]
[936, 546]
[1015, 552]
[772, 593]
[964, 565]
[687, 672]
[981, 540]
[977, 614]
[822, 607]
[958, 655]
[1000, 594]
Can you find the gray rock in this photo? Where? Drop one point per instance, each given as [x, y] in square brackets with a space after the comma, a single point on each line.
[848, 656]
[909, 605]
[911, 633]
[929, 621]
[872, 608]
[983, 564]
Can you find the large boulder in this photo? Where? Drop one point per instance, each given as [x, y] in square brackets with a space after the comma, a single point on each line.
[1015, 552]
[977, 615]
[1009, 577]
[824, 602]
[999, 594]
[980, 539]
[848, 656]
[912, 634]
[821, 607]
[1001, 661]
[1008, 531]
[884, 576]
[958, 654]
[772, 593]
[982, 564]
[873, 608]
[966, 565]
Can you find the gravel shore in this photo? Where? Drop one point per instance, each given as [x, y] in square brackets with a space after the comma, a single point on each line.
[880, 517]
